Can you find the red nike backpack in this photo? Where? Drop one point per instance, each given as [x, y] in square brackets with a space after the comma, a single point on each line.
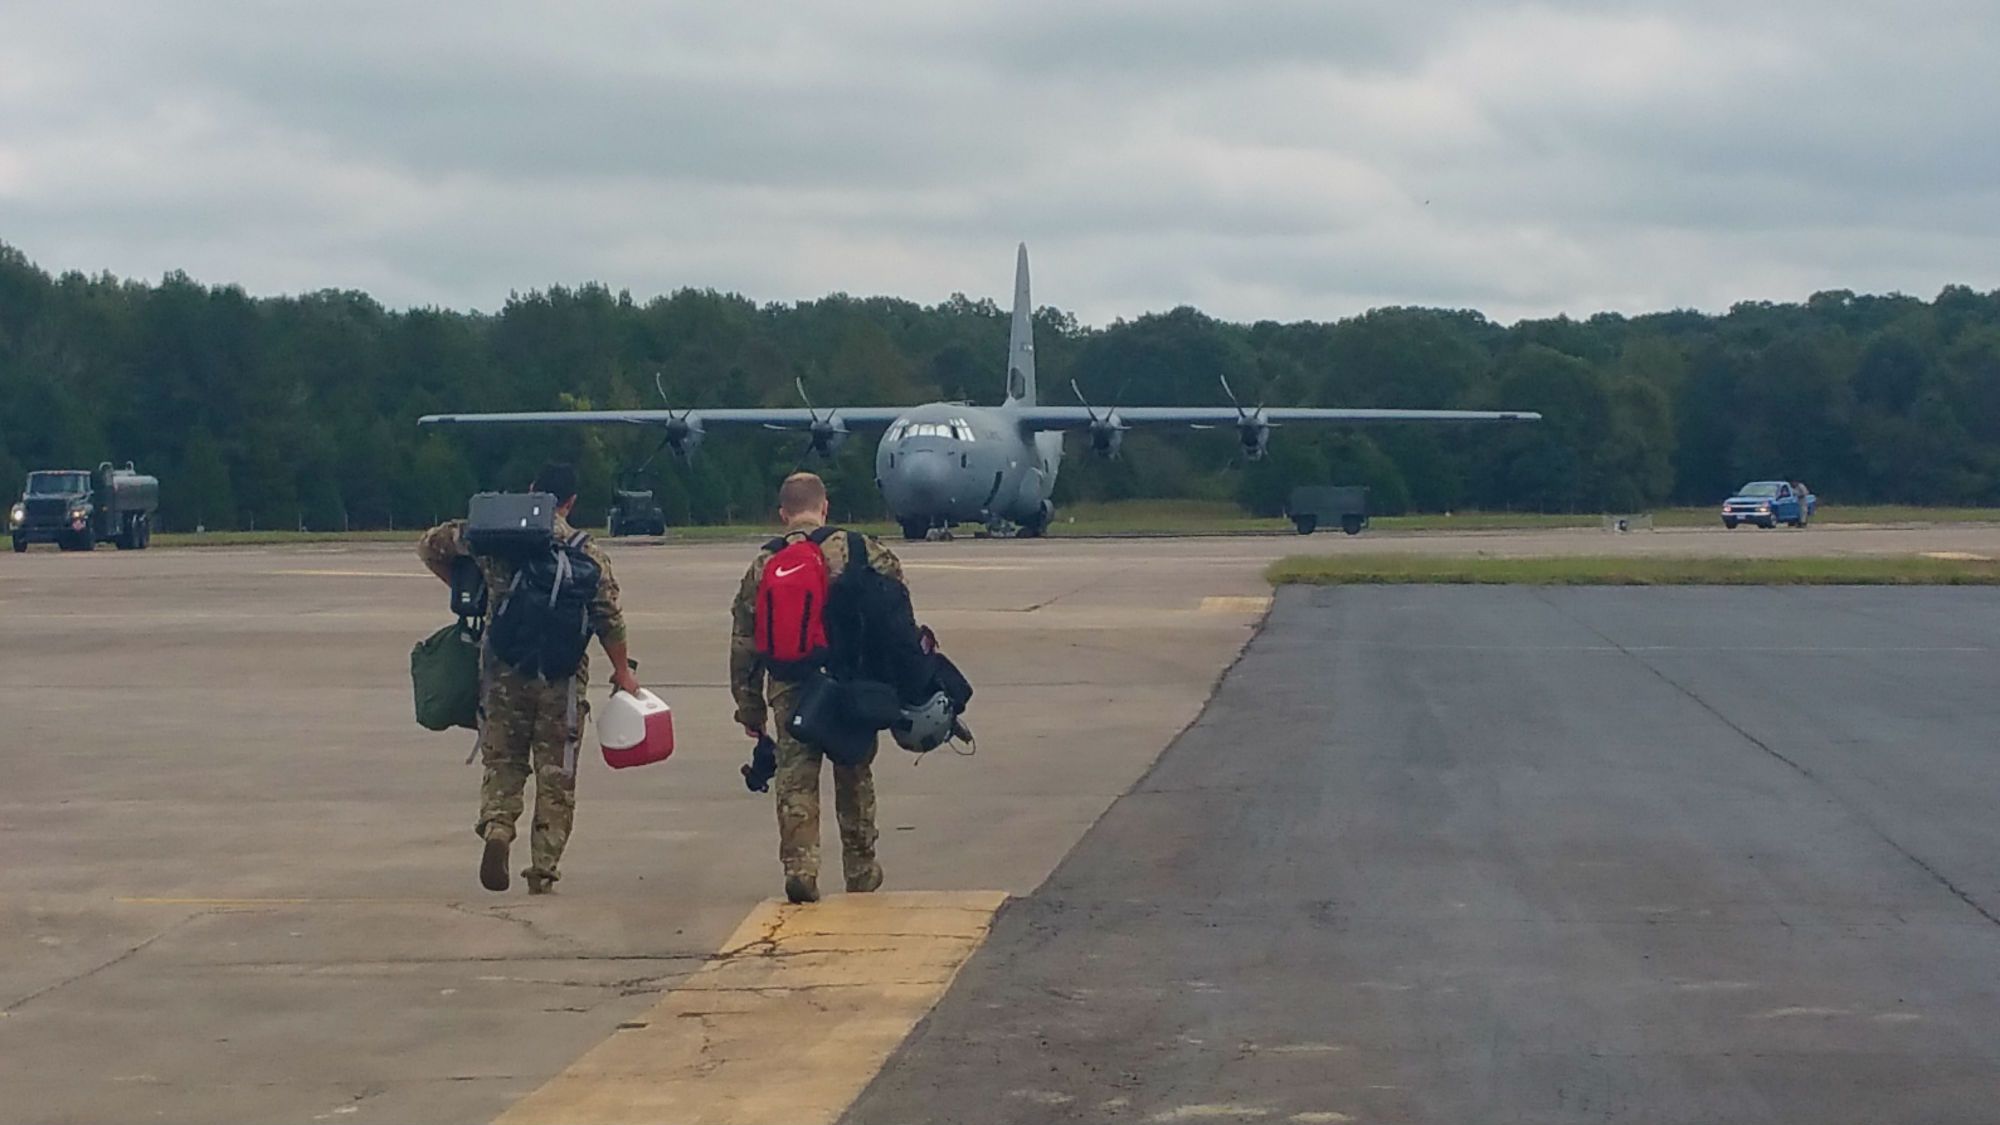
[791, 606]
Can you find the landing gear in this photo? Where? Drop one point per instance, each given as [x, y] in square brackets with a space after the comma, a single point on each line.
[137, 533]
[1039, 526]
[916, 530]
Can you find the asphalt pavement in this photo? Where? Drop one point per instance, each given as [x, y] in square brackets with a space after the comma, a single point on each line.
[1510, 854]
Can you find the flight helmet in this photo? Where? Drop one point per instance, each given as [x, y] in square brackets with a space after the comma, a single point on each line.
[925, 726]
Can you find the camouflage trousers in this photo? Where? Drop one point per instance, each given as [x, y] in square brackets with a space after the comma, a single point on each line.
[797, 787]
[531, 726]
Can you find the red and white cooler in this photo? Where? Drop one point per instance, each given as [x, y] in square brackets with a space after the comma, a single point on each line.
[635, 730]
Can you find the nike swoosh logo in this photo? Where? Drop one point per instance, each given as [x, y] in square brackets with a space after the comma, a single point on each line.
[783, 573]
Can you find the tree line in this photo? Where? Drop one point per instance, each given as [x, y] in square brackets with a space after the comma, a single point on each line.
[300, 411]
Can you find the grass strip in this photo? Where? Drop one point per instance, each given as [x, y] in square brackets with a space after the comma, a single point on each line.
[1169, 517]
[1650, 570]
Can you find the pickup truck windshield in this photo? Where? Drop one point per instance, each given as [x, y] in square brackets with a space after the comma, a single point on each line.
[58, 484]
[1760, 488]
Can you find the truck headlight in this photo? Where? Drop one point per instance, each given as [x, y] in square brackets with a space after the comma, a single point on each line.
[79, 512]
[18, 516]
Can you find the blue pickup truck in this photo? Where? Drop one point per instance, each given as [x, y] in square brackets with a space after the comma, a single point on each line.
[1768, 503]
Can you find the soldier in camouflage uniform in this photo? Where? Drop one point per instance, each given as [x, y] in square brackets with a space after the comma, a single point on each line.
[802, 505]
[528, 724]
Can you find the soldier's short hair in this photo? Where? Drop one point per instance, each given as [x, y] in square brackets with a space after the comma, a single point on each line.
[801, 493]
[557, 478]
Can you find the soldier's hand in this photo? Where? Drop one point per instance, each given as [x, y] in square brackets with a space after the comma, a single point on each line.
[625, 681]
[754, 732]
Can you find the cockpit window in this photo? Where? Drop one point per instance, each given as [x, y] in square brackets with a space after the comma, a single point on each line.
[958, 429]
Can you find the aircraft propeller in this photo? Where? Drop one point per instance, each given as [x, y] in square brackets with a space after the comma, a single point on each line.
[1253, 428]
[826, 434]
[683, 433]
[1107, 433]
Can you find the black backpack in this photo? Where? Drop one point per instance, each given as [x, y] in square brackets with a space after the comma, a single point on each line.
[542, 623]
[872, 629]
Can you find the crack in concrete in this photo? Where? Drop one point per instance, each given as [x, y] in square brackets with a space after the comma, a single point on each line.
[96, 969]
[501, 913]
[1800, 768]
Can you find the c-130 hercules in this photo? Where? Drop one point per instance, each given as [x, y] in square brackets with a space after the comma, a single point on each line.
[948, 463]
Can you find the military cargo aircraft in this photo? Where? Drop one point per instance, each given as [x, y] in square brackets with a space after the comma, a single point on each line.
[949, 463]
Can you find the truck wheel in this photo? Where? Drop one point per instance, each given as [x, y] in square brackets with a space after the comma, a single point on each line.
[1306, 524]
[1767, 524]
[1351, 524]
[145, 531]
[1730, 524]
[20, 545]
[128, 535]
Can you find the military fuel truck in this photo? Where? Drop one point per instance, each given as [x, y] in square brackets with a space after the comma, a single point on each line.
[1345, 505]
[76, 510]
[635, 512]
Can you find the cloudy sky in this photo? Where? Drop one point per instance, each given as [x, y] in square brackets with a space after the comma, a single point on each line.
[1294, 159]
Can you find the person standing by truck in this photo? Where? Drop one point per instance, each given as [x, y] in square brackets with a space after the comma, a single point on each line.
[529, 723]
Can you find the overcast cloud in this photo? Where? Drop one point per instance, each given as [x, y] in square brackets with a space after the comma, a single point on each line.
[1299, 159]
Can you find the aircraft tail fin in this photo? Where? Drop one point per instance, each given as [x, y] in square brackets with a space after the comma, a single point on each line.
[1021, 340]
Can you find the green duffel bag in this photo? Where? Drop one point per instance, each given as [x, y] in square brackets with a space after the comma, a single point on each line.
[444, 675]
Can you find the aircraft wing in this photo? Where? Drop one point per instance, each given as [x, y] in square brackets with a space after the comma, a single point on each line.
[1205, 417]
[781, 418]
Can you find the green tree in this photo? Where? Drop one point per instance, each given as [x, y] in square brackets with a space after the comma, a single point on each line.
[199, 494]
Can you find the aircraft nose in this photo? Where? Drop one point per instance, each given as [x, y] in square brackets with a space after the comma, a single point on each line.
[926, 480]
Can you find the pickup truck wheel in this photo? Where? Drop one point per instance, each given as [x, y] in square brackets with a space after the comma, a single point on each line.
[1351, 524]
[1306, 524]
[1767, 524]
[20, 545]
[1730, 524]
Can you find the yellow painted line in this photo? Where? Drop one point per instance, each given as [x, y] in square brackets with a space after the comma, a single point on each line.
[347, 574]
[257, 903]
[1236, 605]
[785, 1025]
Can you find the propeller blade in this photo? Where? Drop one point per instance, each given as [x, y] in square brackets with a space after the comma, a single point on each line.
[800, 383]
[1087, 409]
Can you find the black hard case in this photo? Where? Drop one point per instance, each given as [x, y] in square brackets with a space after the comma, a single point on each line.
[510, 523]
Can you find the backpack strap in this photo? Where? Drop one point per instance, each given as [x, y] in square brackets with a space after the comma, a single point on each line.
[823, 533]
[577, 540]
[857, 551]
[776, 545]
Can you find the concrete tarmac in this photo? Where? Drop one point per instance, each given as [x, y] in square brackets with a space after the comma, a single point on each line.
[240, 881]
[1478, 854]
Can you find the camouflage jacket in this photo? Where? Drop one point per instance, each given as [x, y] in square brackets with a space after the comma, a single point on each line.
[746, 667]
[445, 542]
